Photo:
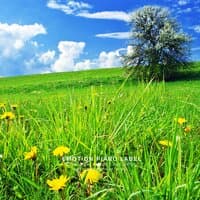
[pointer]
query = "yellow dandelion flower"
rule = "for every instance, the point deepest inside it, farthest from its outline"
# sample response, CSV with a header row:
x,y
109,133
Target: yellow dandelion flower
x,y
90,176
8,116
181,120
14,106
166,143
187,129
31,155
60,151
58,183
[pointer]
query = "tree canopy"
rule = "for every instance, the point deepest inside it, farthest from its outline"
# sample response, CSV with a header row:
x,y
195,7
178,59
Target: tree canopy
x,y
158,47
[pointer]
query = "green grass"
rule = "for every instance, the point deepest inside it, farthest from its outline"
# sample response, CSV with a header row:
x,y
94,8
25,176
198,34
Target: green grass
x,y
98,114
29,86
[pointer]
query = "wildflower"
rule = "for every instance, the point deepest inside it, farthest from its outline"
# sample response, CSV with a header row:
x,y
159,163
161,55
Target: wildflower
x,y
187,129
31,155
57,184
166,143
181,120
14,106
8,115
60,151
91,176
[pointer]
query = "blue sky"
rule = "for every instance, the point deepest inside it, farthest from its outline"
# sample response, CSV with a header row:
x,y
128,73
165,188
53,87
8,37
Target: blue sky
x,y
42,36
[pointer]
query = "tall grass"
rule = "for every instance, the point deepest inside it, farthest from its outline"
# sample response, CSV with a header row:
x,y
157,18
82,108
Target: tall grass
x,y
116,129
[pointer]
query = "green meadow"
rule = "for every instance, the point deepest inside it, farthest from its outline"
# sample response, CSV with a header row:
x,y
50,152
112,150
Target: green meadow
x,y
142,138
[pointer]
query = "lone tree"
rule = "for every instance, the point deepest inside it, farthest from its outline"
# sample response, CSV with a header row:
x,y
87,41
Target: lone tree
x,y
158,48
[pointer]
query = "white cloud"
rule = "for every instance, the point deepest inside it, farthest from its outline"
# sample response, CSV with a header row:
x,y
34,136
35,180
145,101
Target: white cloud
x,y
183,2
197,28
109,59
69,52
105,60
14,36
71,7
112,15
84,65
81,9
18,44
116,35
47,57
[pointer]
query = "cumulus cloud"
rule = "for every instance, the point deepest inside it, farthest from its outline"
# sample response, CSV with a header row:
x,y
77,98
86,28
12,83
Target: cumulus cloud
x,y
84,65
81,9
104,60
14,36
69,55
47,57
67,58
116,35
69,52
109,59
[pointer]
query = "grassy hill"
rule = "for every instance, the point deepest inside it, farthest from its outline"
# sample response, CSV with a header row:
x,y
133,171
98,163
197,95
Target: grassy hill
x,y
49,83
57,83
117,139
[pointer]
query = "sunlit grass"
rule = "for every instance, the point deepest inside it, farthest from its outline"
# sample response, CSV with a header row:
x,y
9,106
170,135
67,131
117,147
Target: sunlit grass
x,y
139,141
